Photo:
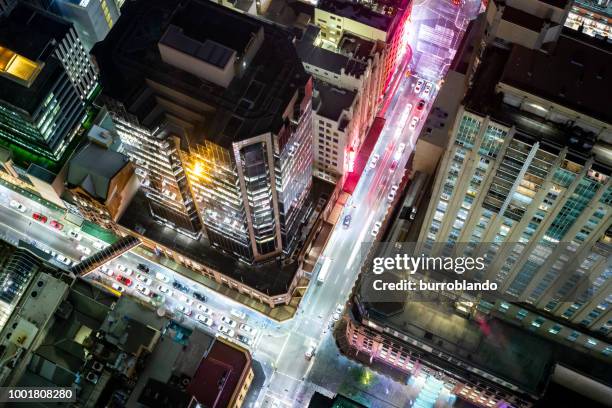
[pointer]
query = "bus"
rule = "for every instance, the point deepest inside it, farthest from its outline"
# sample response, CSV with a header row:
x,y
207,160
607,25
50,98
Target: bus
x,y
414,195
324,270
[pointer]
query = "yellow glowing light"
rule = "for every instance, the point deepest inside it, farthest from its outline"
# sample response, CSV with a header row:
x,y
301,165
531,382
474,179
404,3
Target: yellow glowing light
x,y
198,169
17,66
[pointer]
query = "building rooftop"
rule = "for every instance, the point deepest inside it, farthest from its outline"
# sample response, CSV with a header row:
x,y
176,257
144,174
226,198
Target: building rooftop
x,y
357,12
581,78
493,346
485,100
219,373
254,101
325,59
332,101
93,168
271,278
522,18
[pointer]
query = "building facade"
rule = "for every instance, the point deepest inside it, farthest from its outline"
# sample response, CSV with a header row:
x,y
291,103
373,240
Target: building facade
x,y
46,78
530,176
92,19
384,23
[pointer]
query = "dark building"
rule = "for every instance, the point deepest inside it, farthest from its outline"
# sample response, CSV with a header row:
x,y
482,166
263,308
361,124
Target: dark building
x,y
45,79
213,107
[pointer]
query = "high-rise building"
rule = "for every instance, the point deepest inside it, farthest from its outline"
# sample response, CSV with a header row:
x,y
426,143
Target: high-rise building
x,y
592,17
349,81
219,131
528,172
378,22
92,19
45,79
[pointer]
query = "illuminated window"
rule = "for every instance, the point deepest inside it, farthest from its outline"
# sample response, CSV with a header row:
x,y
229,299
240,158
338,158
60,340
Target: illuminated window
x,y
17,66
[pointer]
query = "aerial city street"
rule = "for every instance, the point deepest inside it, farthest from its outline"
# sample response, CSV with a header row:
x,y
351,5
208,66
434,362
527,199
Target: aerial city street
x,y
193,195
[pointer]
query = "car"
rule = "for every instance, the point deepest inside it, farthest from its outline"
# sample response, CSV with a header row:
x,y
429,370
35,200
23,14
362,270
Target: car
x,y
39,217
126,271
421,104
83,249
392,192
374,160
84,257
376,228
143,267
106,270
428,88
144,290
17,205
63,259
335,316
207,321
346,222
77,237
400,149
57,225
310,352
414,122
339,308
245,339
199,296
118,287
122,279
164,290
46,250
248,329
144,279
178,285
162,277
227,331
393,165
157,297
99,245
204,309
228,321
184,310
419,86
185,299
238,314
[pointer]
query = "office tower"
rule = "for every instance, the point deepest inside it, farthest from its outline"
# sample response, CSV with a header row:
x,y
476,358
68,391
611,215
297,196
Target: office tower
x,y
92,19
219,131
383,23
528,171
45,80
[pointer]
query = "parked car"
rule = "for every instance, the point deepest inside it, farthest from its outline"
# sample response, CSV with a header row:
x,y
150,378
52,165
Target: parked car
x,y
39,217
184,310
144,290
227,331
143,267
207,321
63,259
245,339
58,226
413,123
164,290
126,271
185,299
248,329
421,104
204,309
144,279
106,270
126,281
392,192
228,321
162,277
199,296
118,287
17,205
178,285
428,88
98,245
